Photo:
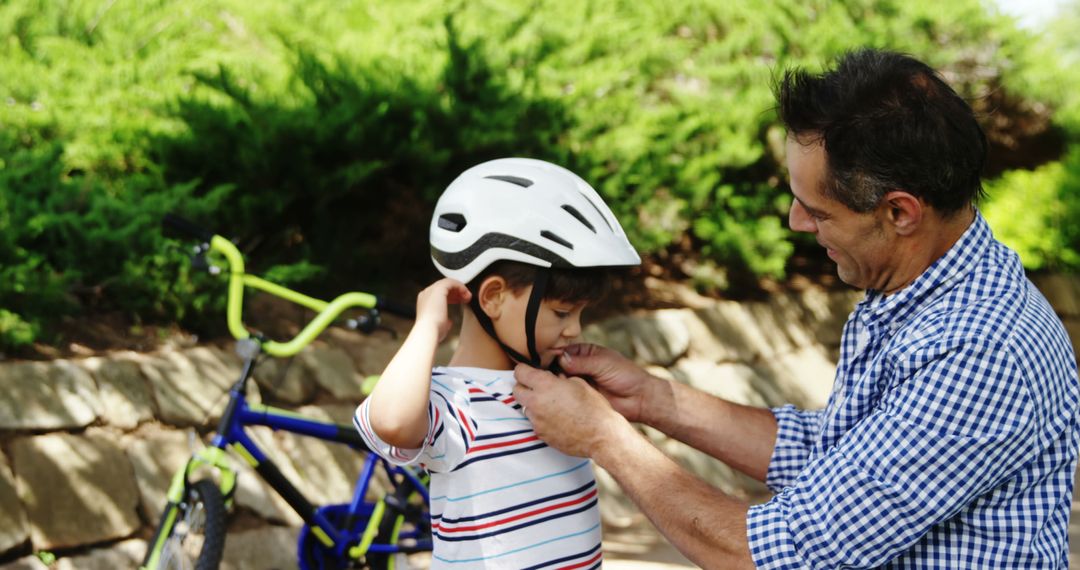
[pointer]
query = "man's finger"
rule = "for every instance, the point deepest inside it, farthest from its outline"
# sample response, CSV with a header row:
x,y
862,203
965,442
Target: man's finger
x,y
530,377
580,348
578,361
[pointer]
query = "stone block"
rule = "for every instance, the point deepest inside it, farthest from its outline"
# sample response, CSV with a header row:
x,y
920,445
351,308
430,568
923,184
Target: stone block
x,y
788,318
326,471
220,367
735,326
185,397
124,554
333,369
804,377
47,396
255,494
284,380
1063,292
611,333
658,338
13,524
370,353
157,457
261,548
76,489
827,311
125,396
735,382
154,459
1072,328
25,563
704,345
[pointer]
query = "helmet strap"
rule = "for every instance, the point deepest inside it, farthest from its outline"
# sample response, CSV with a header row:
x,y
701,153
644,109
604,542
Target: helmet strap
x,y
532,311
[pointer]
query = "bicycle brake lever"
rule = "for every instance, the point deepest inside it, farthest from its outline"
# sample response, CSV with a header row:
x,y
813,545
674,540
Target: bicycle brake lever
x,y
366,323
200,262
369,323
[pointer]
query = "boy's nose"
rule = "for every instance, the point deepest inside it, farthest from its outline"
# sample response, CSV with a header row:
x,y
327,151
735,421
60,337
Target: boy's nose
x,y
573,329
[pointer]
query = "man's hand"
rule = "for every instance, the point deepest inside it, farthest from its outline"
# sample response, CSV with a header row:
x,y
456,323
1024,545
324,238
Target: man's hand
x,y
625,385
565,412
704,524
432,305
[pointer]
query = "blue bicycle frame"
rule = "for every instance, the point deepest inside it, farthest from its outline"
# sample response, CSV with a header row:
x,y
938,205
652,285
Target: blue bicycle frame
x,y
334,536
351,531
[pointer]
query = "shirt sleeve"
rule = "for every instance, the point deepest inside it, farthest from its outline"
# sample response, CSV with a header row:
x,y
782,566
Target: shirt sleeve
x,y
451,431
796,431
959,425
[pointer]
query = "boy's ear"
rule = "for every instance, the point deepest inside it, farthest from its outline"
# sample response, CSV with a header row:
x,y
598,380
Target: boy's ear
x,y
491,294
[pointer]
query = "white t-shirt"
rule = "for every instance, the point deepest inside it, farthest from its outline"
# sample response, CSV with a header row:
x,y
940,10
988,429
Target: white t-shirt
x,y
500,497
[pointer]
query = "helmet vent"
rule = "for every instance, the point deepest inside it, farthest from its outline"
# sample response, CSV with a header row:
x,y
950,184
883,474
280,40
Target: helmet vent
x,y
556,239
519,181
452,222
573,212
598,211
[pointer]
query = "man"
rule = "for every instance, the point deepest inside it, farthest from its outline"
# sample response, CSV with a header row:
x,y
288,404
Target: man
x,y
950,439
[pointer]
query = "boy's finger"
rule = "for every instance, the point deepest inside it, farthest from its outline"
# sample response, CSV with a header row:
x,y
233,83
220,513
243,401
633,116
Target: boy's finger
x,y
459,295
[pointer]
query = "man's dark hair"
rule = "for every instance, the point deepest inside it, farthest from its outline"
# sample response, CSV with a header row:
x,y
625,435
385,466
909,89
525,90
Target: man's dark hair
x,y
573,285
887,122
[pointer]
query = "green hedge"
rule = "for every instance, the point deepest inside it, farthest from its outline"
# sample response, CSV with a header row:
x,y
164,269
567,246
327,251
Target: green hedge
x,y
319,132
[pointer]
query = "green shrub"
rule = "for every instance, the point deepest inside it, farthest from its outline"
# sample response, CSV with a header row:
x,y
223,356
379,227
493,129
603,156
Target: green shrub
x,y
320,132
1045,235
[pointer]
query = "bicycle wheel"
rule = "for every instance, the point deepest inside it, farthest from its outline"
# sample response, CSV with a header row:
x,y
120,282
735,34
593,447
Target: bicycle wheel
x,y
197,538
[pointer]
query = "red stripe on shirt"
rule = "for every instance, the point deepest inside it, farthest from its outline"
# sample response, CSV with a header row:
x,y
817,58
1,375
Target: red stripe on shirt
x,y
465,422
516,517
583,564
503,444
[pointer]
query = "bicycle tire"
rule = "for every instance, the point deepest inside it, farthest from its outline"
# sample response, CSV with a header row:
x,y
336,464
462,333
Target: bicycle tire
x,y
201,516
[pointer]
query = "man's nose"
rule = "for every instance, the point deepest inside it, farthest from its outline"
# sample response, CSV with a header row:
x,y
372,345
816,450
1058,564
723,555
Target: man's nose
x,y
799,220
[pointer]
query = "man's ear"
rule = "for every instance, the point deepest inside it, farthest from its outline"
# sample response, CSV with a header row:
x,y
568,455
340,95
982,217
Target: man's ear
x,y
903,211
492,292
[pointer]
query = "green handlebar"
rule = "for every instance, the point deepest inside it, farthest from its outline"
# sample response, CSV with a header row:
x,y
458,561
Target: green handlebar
x,y
327,312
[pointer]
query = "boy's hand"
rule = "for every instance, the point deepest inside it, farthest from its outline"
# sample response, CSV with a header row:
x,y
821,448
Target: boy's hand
x,y
432,304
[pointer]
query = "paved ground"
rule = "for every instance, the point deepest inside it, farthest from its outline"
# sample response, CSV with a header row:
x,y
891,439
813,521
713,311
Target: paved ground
x,y
643,549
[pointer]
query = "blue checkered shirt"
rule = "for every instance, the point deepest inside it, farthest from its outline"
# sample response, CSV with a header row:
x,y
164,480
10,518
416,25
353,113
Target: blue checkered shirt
x,y
950,439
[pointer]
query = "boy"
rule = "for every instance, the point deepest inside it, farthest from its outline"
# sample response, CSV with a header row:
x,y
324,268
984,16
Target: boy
x,y
530,239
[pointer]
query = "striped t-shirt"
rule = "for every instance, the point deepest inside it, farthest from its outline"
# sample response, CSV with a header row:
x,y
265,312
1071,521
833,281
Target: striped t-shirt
x,y
500,497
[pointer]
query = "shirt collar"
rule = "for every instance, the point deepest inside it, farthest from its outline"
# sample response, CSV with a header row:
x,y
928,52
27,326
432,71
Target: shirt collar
x,y
955,264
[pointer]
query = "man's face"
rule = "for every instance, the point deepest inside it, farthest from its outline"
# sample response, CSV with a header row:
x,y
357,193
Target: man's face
x,y
856,242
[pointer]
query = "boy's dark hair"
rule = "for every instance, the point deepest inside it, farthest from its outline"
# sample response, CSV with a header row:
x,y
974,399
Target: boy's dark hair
x,y
887,122
573,284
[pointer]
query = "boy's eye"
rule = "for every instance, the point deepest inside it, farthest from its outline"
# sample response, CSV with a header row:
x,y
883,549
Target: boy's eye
x,y
562,314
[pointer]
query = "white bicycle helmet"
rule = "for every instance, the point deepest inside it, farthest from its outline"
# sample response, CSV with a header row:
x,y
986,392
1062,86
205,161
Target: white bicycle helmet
x,y
529,211
526,210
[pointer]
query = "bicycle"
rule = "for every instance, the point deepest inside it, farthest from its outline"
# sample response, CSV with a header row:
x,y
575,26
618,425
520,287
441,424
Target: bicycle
x,y
358,534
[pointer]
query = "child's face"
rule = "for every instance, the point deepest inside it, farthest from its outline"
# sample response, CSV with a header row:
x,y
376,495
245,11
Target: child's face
x,y
558,324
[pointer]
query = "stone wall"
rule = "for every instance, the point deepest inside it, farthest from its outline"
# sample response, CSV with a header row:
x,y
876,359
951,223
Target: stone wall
x,y
87,446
